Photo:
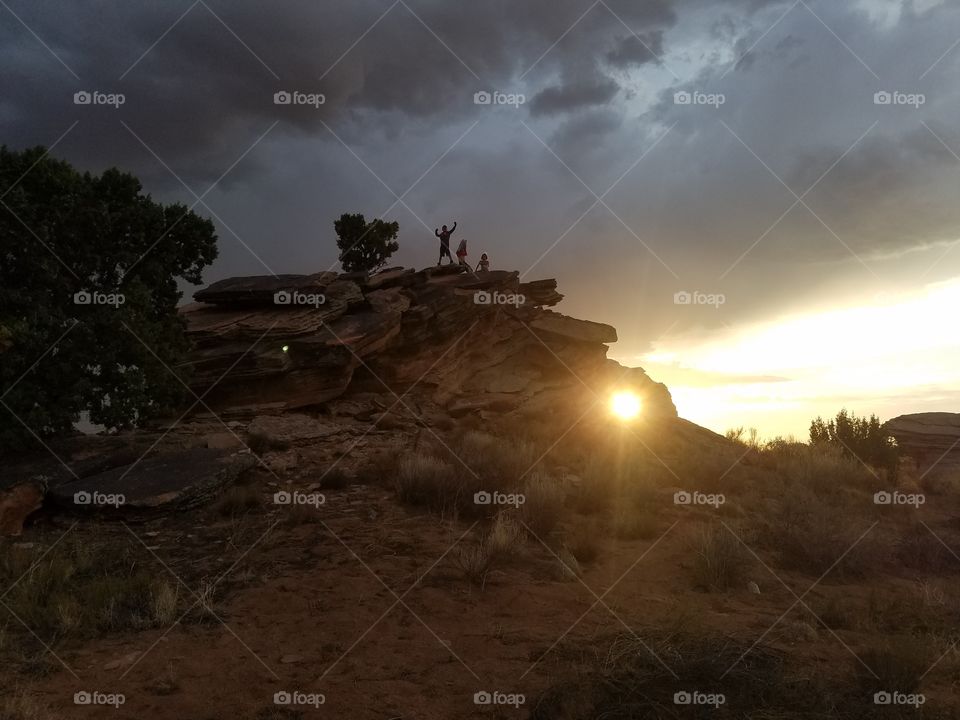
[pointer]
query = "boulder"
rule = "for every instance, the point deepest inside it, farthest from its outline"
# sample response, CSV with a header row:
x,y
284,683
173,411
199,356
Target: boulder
x,y
931,439
17,503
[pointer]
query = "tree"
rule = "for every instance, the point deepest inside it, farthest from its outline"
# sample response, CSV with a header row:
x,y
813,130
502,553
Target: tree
x,y
365,246
88,296
863,438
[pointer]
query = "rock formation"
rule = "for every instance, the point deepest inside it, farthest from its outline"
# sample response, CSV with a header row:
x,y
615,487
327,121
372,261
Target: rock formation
x,y
931,439
467,342
317,367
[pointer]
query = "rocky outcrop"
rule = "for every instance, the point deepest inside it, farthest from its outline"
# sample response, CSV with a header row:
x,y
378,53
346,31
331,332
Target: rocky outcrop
x,y
931,439
467,342
162,483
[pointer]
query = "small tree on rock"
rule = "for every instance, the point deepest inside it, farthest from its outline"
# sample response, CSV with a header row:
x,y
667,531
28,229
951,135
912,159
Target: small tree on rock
x,y
365,246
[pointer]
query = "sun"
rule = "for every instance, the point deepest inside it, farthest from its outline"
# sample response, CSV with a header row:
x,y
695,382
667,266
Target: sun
x,y
625,405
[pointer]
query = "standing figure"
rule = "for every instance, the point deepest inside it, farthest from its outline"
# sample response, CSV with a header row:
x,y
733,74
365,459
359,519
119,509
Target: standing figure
x,y
484,264
462,254
444,236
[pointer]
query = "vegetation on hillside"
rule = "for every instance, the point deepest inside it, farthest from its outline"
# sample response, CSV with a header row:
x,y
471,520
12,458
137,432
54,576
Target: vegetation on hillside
x,y
89,267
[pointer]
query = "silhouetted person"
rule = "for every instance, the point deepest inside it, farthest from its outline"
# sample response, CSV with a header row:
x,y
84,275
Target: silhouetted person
x,y
462,254
484,264
444,236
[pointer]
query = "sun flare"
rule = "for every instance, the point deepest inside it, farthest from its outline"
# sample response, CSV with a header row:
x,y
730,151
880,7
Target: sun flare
x,y
625,405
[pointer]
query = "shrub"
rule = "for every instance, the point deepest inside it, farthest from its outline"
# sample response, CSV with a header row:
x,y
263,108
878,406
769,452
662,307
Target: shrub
x,y
584,542
596,492
813,532
637,524
917,548
425,480
823,468
898,665
478,559
80,588
862,438
720,559
543,504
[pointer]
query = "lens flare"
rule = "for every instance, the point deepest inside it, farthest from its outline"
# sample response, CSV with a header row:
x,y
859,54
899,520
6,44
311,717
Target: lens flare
x,y
625,405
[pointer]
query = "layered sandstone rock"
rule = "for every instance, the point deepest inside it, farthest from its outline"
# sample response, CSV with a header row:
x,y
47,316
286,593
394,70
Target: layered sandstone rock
x,y
931,439
472,342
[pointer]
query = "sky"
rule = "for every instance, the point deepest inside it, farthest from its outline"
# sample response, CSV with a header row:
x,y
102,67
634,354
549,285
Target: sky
x,y
760,195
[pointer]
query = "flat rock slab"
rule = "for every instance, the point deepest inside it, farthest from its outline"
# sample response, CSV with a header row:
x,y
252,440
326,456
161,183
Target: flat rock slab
x,y
568,327
259,290
290,429
159,484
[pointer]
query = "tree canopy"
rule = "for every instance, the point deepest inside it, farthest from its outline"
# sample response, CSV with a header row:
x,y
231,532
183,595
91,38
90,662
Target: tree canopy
x,y
365,246
859,437
89,270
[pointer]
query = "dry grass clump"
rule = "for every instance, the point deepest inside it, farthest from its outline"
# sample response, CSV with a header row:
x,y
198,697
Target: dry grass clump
x,y
897,665
477,560
720,560
543,504
816,532
83,589
21,706
477,463
636,523
585,542
425,480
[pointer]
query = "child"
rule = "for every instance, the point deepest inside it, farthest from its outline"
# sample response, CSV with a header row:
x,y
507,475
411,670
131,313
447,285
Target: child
x,y
462,254
484,264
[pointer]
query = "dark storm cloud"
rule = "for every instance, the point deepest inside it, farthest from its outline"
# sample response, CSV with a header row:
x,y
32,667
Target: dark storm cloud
x,y
634,50
200,77
565,98
399,86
